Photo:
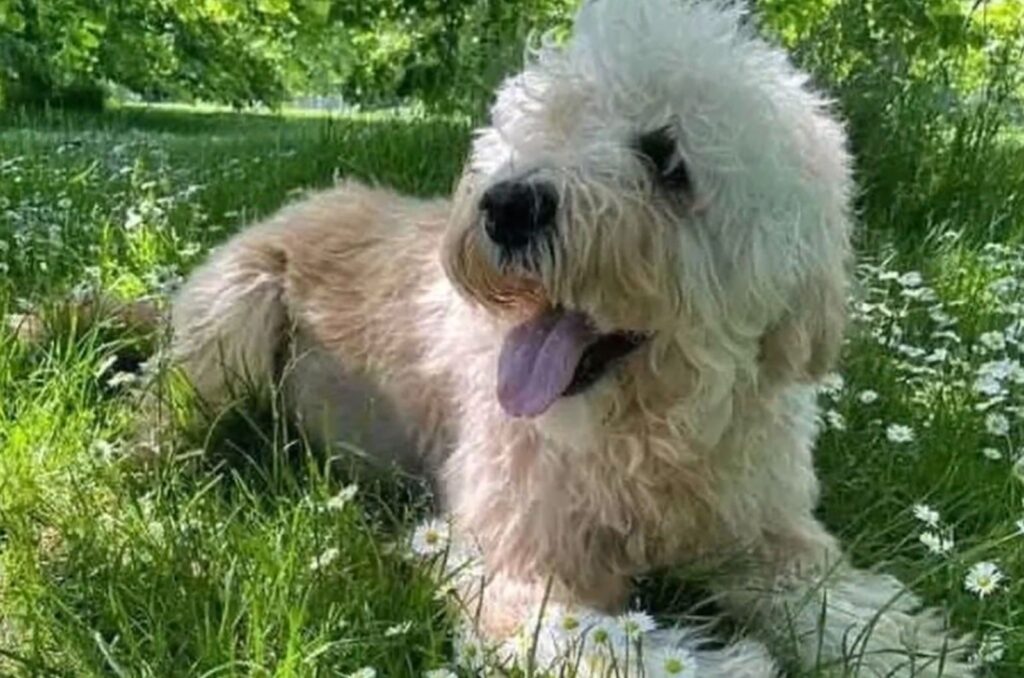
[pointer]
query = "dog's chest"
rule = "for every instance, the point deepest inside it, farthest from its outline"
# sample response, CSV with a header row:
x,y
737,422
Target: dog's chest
x,y
641,502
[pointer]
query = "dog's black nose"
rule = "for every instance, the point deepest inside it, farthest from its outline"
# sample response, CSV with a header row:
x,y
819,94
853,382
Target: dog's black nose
x,y
516,211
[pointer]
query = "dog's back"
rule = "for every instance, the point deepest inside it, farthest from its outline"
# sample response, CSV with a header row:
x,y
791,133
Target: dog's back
x,y
334,274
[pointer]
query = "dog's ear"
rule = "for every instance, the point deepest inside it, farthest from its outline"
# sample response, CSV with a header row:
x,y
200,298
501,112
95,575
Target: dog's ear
x,y
804,344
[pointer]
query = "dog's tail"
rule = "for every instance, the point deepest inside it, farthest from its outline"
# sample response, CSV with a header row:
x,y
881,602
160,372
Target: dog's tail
x,y
229,320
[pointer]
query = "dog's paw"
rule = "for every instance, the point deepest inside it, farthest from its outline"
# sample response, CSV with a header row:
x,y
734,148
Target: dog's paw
x,y
905,644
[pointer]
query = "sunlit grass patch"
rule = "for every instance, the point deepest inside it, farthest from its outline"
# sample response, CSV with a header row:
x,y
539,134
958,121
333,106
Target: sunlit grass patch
x,y
248,553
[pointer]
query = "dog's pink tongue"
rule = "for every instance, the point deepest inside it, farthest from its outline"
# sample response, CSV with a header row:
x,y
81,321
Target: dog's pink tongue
x,y
538,360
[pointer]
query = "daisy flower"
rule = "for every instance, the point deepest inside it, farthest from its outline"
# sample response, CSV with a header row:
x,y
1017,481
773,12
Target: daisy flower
x,y
926,514
470,652
993,341
605,637
430,538
867,396
991,453
102,449
835,420
983,578
936,543
679,663
911,279
338,501
636,624
899,433
997,424
324,559
571,624
365,672
832,383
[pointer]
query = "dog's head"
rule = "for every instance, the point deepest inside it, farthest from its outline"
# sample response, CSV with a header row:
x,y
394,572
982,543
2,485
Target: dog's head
x,y
663,184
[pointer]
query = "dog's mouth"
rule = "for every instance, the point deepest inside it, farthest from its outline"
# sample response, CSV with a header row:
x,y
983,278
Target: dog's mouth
x,y
554,354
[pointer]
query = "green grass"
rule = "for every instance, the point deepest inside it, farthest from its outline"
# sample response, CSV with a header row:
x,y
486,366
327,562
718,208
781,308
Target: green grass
x,y
202,564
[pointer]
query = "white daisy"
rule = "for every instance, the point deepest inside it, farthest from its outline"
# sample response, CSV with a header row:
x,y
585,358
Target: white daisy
x,y
867,396
993,341
926,514
832,384
989,385
936,543
636,624
324,559
983,578
430,538
570,624
899,433
338,501
470,652
835,420
991,453
911,279
678,663
997,424
102,449
365,672
605,638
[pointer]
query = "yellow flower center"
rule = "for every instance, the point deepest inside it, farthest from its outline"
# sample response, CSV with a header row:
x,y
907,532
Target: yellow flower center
x,y
674,666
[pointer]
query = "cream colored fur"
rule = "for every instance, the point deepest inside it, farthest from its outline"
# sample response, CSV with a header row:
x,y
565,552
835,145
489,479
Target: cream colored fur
x,y
697,449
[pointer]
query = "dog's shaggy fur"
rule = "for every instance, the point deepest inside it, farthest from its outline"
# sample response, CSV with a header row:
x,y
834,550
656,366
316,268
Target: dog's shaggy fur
x,y
701,216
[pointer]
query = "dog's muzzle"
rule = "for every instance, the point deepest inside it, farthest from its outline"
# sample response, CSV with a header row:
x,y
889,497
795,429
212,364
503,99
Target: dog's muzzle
x,y
518,212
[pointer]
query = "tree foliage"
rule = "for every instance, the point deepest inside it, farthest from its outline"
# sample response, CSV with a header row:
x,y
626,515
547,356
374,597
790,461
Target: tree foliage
x,y
927,87
234,51
450,53
263,51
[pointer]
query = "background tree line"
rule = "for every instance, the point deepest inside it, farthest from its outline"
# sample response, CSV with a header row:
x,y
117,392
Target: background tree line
x,y
446,53
929,87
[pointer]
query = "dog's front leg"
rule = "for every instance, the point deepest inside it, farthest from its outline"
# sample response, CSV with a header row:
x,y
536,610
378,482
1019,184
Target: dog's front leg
x,y
800,592
541,626
498,602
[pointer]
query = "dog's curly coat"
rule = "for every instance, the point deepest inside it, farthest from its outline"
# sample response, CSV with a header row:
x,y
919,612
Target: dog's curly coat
x,y
606,346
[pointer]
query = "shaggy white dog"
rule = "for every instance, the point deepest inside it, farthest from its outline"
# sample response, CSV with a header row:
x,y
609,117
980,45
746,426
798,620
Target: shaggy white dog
x,y
606,346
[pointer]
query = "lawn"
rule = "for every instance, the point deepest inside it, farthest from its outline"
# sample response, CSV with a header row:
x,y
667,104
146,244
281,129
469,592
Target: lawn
x,y
247,554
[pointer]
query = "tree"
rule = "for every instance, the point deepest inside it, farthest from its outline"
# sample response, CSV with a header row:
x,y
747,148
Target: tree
x,y
235,51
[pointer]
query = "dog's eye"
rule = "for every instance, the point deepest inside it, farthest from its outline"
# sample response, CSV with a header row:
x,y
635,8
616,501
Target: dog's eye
x,y
660,150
